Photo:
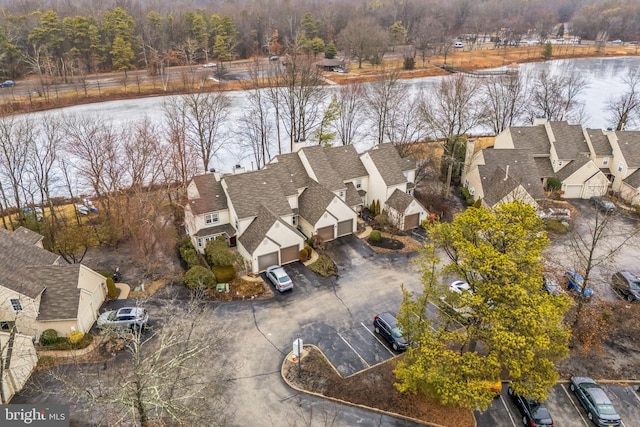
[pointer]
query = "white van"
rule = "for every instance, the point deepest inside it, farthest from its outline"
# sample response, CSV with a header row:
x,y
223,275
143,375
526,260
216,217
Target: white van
x,y
458,45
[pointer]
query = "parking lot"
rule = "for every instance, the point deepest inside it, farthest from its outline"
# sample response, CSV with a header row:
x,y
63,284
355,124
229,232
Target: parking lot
x,y
565,408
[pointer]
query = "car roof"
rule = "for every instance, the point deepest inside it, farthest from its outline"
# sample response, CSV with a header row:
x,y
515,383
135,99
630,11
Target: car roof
x,y
136,311
389,318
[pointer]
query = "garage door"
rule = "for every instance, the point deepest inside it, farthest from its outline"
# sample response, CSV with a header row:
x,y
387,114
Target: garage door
x,y
289,254
411,221
573,191
326,233
345,227
265,261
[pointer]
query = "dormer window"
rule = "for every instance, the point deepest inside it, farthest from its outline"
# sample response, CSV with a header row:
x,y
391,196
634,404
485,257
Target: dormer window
x,y
211,218
294,220
16,304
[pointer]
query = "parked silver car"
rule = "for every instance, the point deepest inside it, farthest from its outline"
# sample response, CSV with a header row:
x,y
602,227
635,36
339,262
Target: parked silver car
x,y
124,318
280,279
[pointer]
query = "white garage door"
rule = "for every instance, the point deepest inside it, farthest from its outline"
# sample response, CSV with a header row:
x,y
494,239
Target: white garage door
x,y
572,191
266,260
326,233
345,227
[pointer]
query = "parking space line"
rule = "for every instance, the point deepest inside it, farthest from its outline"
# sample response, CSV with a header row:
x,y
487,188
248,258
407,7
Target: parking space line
x,y
353,349
508,411
635,395
377,339
574,405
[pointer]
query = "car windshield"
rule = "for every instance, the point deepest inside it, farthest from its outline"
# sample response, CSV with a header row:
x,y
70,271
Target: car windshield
x,y
396,332
606,409
112,316
284,279
541,413
634,286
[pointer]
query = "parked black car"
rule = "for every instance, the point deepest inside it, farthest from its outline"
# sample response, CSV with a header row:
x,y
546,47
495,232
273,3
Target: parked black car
x,y
534,414
628,284
386,325
593,398
602,204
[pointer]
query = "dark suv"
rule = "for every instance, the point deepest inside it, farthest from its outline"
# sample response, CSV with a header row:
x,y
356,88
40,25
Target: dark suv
x,y
386,325
602,204
628,284
534,413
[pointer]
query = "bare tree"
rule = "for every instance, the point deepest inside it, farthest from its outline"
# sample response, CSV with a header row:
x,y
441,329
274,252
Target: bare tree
x,y
301,96
364,39
183,158
159,378
624,110
16,140
450,110
506,98
556,96
382,98
204,114
349,120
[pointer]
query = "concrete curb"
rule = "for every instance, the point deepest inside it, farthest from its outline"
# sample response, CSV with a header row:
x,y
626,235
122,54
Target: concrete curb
x,y
124,290
60,354
313,258
345,402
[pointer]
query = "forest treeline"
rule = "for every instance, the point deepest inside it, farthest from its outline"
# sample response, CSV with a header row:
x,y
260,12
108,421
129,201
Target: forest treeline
x,y
62,39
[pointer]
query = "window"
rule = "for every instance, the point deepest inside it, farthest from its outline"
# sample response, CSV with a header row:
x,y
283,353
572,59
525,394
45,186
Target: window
x,y
211,218
409,192
472,191
358,183
6,326
294,220
620,166
237,228
466,183
342,195
199,242
559,163
16,305
605,161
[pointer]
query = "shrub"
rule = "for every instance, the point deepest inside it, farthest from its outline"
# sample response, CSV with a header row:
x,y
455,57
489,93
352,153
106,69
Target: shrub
x,y
304,254
467,196
190,256
112,291
375,237
219,254
48,337
224,274
75,337
553,184
324,266
556,226
309,249
199,277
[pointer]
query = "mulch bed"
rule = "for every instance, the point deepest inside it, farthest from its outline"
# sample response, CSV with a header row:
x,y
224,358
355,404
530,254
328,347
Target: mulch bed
x,y
373,388
240,289
388,243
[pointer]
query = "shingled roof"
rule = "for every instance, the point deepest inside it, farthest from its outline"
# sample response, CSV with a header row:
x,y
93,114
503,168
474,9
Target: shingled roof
x,y
314,201
600,142
212,197
61,297
569,140
257,230
633,180
27,236
269,186
390,164
18,259
293,165
346,162
399,200
353,197
572,167
534,138
513,166
322,168
629,143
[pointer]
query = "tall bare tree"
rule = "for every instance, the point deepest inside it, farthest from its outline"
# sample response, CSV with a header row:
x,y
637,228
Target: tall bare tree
x,y
382,99
557,96
16,140
624,110
158,379
506,99
364,39
349,120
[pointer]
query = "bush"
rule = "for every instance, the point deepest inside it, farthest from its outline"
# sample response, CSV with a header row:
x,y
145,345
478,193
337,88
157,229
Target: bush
x,y
309,249
48,337
556,226
199,277
190,256
409,63
304,254
467,196
224,274
219,254
112,291
553,184
324,266
375,237
75,337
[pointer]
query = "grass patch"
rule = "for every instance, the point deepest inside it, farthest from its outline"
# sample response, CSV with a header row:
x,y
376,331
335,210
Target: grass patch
x,y
555,226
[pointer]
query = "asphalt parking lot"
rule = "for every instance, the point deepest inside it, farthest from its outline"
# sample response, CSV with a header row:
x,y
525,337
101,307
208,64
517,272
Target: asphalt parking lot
x,y
565,408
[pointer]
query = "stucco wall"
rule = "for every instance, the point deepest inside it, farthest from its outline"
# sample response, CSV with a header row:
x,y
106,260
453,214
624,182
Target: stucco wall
x,y
25,320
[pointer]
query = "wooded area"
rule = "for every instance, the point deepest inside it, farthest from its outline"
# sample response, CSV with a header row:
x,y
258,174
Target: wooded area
x,y
60,41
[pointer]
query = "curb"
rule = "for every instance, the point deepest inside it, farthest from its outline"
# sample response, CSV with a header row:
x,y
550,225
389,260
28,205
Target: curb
x,y
345,402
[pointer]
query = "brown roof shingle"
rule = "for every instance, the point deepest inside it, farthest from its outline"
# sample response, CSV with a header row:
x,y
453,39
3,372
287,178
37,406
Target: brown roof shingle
x,y
569,140
61,297
534,138
257,230
629,142
269,186
313,202
318,159
389,163
600,142
399,200
212,197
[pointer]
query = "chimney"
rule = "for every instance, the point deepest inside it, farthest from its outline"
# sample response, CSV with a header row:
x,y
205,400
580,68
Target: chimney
x,y
506,175
237,169
540,119
298,145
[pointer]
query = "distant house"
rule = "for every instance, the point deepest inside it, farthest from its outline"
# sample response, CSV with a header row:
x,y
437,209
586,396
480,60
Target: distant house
x,y
524,158
330,64
314,191
39,292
